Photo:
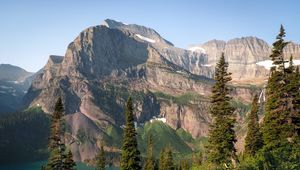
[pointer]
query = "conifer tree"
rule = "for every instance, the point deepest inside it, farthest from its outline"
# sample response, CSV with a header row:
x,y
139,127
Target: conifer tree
x,y
166,160
150,162
100,159
281,144
293,98
184,165
275,126
130,159
56,146
69,163
221,138
169,165
162,159
253,140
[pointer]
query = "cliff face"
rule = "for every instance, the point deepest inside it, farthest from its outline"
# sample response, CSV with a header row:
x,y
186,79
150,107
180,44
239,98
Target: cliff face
x,y
107,63
243,55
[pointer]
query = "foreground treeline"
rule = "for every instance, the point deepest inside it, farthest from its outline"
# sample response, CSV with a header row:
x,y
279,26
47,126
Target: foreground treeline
x,y
271,143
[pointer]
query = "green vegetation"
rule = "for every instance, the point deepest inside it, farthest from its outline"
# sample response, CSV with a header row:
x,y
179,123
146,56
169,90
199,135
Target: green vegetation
x,y
281,121
253,140
163,136
221,150
58,159
183,99
114,136
24,136
280,128
184,135
240,107
150,160
166,159
130,159
100,159
69,163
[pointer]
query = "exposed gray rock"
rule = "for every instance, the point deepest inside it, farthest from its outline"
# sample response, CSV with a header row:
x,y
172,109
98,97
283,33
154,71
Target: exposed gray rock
x,y
242,55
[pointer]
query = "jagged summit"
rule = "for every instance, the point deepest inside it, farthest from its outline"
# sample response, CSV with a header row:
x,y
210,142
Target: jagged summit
x,y
56,59
142,32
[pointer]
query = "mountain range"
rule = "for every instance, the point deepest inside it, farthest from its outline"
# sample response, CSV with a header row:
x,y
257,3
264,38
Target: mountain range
x,y
170,86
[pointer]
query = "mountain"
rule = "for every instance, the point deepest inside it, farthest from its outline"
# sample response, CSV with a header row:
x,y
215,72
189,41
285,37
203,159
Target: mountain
x,y
14,82
107,63
248,57
13,73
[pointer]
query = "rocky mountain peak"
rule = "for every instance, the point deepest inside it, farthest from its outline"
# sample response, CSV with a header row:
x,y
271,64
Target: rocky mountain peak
x,y
141,32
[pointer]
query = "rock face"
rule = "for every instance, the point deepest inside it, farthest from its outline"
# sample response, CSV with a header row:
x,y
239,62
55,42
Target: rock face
x,y
107,63
243,54
14,82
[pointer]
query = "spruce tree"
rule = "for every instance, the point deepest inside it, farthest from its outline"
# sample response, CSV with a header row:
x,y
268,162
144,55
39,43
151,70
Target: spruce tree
x,y
100,159
56,146
293,98
169,165
162,159
221,138
275,126
281,142
130,159
253,140
69,163
166,160
150,162
184,165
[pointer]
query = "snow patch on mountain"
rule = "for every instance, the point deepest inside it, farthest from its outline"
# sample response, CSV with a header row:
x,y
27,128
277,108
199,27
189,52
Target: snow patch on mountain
x,y
145,38
269,63
162,119
197,49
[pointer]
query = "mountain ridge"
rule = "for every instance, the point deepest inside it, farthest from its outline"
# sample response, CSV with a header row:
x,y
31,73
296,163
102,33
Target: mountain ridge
x,y
107,63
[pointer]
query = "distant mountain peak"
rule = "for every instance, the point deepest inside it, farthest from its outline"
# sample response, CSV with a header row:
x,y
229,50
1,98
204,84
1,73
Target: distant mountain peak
x,y
13,73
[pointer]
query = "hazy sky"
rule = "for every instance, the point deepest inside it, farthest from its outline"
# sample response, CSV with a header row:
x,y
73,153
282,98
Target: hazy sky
x,y
32,30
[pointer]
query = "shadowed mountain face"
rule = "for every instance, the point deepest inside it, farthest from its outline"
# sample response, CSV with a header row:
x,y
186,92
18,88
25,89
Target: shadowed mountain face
x,y
14,83
107,63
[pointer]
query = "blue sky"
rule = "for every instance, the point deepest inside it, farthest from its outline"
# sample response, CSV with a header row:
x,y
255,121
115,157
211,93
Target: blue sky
x,y
32,30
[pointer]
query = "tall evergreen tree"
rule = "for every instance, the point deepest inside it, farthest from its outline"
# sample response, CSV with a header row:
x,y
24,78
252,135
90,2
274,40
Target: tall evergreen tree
x,y
166,160
56,146
253,140
130,154
150,162
184,165
293,98
275,127
162,159
281,149
169,165
221,138
100,159
69,163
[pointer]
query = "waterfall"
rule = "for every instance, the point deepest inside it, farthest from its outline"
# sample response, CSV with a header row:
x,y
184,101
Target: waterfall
x,y
262,96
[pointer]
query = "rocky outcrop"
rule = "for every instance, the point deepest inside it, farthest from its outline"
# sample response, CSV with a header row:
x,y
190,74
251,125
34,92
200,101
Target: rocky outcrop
x,y
243,54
